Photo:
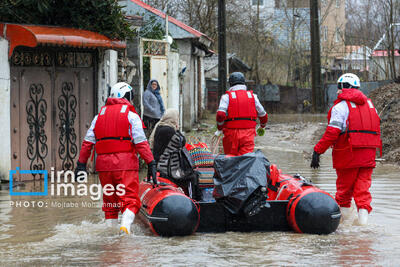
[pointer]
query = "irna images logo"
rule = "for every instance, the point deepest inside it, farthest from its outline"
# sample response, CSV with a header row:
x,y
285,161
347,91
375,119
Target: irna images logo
x,y
64,183
17,170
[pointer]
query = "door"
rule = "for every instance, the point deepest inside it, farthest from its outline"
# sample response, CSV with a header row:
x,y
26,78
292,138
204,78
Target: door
x,y
158,71
74,106
31,117
52,105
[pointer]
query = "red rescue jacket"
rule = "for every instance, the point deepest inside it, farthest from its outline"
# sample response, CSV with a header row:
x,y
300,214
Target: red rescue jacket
x,y
109,159
242,111
112,129
356,147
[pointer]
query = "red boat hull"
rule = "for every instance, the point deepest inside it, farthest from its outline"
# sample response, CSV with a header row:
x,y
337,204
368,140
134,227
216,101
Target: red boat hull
x,y
167,210
292,203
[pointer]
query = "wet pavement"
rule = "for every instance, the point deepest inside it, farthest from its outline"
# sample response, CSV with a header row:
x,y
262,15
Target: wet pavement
x,y
60,234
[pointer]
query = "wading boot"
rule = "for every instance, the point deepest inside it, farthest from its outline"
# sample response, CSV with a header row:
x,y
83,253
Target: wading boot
x,y
126,221
346,213
362,217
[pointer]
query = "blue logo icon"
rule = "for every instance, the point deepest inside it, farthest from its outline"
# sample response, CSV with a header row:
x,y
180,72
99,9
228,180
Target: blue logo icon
x,y
45,175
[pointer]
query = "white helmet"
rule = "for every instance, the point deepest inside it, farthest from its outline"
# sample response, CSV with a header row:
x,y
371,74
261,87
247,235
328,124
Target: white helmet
x,y
120,90
348,80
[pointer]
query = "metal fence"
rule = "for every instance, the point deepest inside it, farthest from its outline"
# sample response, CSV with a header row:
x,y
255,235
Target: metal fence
x,y
366,88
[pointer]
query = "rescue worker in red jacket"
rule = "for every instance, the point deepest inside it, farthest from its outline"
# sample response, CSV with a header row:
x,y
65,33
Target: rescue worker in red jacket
x,y
118,134
236,117
354,133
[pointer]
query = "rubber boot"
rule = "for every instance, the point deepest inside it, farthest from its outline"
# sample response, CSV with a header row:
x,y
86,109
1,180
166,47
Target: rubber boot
x,y
362,217
126,221
346,212
112,223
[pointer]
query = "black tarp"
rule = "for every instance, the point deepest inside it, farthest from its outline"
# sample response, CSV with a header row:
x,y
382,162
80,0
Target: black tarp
x,y
236,178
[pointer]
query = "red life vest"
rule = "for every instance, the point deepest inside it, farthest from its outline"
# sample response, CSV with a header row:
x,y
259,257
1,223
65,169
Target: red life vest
x,y
112,129
357,145
242,111
364,125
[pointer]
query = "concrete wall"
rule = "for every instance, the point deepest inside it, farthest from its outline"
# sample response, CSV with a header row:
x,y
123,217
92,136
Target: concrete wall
x,y
173,80
107,74
5,133
185,55
203,84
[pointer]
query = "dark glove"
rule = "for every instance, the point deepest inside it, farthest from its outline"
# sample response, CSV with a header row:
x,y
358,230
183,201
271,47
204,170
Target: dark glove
x,y
152,171
315,160
79,168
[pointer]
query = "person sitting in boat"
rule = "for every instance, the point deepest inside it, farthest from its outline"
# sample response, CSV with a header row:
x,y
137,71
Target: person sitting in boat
x,y
170,154
118,134
236,117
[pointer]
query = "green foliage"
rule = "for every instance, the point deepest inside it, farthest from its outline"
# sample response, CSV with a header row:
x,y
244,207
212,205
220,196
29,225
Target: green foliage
x,y
146,71
102,16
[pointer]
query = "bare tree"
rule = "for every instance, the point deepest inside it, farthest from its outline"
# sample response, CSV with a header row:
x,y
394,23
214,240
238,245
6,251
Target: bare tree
x,y
375,25
201,15
168,6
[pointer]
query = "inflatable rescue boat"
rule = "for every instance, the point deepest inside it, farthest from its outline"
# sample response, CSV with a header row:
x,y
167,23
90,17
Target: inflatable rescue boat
x,y
243,193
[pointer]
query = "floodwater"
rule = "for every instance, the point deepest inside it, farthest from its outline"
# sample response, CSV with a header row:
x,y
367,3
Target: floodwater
x,y
59,234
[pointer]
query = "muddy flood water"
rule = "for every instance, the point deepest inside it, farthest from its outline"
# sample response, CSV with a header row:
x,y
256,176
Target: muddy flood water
x,y
60,234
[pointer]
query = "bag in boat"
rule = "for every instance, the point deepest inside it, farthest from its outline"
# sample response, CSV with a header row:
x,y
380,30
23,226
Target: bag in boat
x,y
175,162
237,178
200,153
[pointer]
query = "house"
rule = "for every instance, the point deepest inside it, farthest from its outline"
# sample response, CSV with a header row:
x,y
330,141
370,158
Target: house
x,y
356,59
234,63
380,61
289,23
193,46
379,64
53,80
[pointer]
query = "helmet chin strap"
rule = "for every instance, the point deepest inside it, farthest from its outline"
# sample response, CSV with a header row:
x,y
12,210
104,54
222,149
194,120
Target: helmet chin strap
x,y
128,96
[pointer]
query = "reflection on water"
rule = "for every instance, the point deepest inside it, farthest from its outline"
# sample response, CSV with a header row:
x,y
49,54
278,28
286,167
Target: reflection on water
x,y
52,235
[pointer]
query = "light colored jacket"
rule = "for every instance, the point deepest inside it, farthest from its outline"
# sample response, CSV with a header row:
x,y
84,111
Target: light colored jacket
x,y
151,106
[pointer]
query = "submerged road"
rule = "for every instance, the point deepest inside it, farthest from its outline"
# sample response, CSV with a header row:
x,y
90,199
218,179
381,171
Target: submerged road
x,y
63,234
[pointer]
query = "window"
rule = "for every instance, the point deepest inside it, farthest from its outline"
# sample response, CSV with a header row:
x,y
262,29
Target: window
x,y
324,33
337,3
337,36
256,2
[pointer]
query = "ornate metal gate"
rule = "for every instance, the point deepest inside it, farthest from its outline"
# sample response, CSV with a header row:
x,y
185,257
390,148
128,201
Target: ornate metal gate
x,y
52,105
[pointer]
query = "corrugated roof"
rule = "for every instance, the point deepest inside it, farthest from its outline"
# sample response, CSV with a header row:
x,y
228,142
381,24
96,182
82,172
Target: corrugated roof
x,y
178,23
384,53
34,35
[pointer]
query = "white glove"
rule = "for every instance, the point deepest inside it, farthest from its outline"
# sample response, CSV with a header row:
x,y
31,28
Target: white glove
x,y
218,133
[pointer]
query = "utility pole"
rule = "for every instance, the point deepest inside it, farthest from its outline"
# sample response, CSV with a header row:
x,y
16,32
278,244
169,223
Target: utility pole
x,y
221,48
258,44
318,96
